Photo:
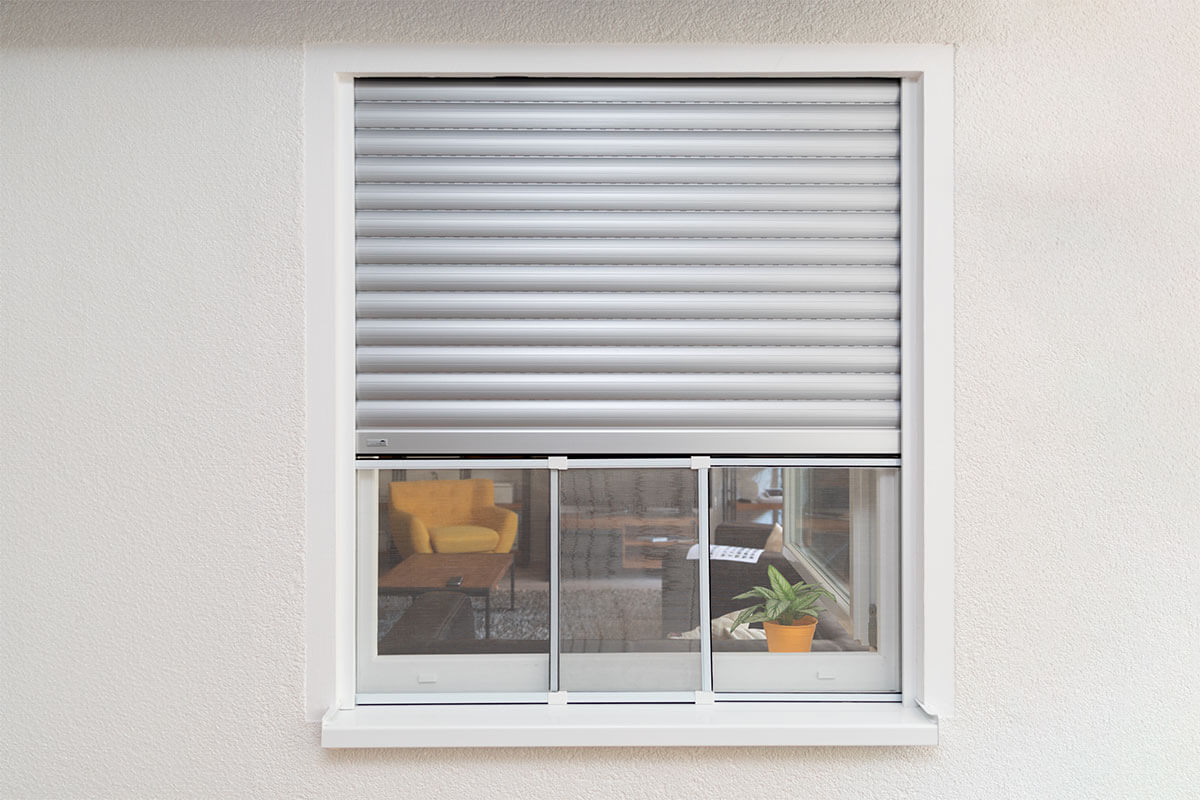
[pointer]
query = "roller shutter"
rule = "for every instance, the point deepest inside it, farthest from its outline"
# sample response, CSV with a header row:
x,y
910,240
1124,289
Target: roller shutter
x,y
587,266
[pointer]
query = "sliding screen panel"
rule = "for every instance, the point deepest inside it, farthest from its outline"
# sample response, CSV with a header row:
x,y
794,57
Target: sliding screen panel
x,y
624,574
454,581
832,528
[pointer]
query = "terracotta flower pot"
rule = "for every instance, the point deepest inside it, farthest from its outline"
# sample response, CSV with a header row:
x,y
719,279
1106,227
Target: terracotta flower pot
x,y
795,638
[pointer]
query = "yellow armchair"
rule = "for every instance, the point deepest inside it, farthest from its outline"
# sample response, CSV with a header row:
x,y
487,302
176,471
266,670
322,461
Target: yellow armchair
x,y
449,517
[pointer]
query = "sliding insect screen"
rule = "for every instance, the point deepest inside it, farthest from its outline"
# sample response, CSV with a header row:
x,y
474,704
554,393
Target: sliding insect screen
x,y
624,537
453,581
642,267
828,534
630,579
506,581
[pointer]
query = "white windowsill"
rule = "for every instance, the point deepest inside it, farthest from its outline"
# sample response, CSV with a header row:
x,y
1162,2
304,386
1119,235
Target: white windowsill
x,y
749,724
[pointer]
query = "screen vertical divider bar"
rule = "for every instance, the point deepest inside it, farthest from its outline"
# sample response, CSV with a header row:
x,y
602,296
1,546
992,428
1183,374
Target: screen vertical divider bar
x,y
702,523
554,577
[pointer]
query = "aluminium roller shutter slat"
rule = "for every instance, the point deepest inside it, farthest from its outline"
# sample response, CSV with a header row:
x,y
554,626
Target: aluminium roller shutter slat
x,y
671,224
486,169
615,358
625,305
637,386
574,278
733,252
604,332
583,256
788,144
599,414
648,197
615,116
626,91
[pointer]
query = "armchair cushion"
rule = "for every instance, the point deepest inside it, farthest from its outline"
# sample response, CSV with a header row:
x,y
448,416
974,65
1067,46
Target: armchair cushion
x,y
463,539
502,521
455,516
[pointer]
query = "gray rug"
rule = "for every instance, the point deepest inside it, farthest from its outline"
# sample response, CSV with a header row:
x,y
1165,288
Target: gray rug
x,y
626,614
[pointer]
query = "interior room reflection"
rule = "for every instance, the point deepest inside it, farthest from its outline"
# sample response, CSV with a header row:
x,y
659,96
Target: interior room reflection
x,y
464,561
464,558
802,522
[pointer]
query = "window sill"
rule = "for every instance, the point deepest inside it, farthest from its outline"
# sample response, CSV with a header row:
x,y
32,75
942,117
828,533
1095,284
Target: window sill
x,y
684,725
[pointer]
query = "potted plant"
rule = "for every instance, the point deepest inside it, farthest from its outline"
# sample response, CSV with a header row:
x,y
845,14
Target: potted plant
x,y
787,611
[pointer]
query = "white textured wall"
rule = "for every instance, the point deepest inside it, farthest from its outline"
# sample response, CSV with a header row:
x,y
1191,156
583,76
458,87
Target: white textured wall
x,y
152,386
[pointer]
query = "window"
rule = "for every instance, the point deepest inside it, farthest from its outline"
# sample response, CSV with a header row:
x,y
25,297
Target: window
x,y
621,344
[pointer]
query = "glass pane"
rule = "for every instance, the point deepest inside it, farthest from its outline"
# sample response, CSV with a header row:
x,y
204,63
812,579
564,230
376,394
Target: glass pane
x,y
463,570
832,535
626,584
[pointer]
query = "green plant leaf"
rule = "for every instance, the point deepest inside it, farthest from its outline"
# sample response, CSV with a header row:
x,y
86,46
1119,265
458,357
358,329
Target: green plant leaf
x,y
801,586
775,609
757,591
781,602
779,583
747,615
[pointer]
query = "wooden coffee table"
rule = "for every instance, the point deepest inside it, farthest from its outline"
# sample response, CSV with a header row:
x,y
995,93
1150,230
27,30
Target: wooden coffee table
x,y
428,572
647,550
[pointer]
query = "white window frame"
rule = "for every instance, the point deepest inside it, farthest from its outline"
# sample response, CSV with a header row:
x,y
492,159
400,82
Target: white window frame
x,y
927,551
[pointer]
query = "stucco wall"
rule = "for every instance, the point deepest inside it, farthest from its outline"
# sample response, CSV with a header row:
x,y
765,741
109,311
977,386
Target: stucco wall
x,y
153,401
